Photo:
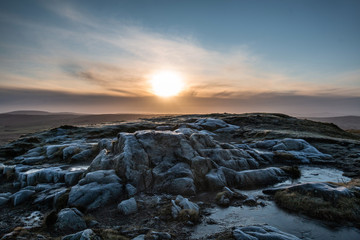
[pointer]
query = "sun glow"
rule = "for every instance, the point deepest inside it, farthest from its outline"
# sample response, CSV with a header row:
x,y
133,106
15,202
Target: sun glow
x,y
167,83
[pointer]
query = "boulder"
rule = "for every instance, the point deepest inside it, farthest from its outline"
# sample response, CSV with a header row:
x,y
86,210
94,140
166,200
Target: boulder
x,y
93,195
101,177
261,233
212,124
290,150
69,220
183,209
185,203
128,207
96,189
221,177
22,196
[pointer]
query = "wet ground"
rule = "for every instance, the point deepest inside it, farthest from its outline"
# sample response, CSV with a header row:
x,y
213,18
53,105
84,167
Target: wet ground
x,y
296,224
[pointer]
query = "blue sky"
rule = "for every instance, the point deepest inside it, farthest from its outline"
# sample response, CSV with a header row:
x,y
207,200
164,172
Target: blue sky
x,y
224,50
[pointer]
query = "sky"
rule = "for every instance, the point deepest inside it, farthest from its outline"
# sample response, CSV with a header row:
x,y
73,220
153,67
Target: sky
x,y
299,57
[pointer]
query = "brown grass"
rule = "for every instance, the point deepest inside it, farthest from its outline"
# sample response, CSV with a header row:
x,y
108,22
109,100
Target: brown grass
x,y
345,209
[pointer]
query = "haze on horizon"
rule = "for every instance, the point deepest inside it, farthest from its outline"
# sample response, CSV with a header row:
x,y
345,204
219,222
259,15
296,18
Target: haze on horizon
x,y
296,57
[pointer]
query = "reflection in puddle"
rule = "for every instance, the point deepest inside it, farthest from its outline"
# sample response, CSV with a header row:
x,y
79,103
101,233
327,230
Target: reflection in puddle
x,y
298,225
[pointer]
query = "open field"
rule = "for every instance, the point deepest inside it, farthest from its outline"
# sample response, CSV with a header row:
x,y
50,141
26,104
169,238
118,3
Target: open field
x,y
13,125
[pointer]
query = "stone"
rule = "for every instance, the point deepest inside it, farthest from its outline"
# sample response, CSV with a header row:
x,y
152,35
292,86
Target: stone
x,y
128,206
130,190
212,124
93,195
290,150
101,177
55,151
69,151
86,234
160,235
70,219
261,233
72,178
105,144
185,203
83,156
251,202
222,177
21,196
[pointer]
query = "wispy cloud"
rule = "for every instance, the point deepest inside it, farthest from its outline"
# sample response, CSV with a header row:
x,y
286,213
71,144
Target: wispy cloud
x,y
88,55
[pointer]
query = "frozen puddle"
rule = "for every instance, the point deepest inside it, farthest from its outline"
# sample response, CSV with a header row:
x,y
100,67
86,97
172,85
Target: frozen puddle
x,y
298,225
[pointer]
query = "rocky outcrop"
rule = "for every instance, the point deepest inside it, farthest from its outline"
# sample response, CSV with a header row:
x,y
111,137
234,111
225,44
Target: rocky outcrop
x,y
158,159
177,163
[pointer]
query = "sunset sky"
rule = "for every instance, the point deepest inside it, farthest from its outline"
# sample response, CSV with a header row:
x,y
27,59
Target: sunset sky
x,y
296,57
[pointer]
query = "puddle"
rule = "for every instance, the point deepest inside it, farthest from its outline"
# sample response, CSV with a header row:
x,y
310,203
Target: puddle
x,y
298,225
317,174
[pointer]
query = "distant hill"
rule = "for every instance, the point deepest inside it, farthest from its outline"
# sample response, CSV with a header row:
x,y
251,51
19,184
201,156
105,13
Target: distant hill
x,y
17,123
344,122
34,112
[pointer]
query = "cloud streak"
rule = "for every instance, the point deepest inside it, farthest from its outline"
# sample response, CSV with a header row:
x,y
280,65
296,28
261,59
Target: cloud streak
x,y
98,61
297,105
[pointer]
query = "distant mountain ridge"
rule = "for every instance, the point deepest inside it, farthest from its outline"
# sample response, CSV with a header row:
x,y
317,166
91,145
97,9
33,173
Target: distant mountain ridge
x,y
35,112
344,122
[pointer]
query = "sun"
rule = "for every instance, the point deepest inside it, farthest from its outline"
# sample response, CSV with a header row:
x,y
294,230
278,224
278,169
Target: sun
x,y
167,83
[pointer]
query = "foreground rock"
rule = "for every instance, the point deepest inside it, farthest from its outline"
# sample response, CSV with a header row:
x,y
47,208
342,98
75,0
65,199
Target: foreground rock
x,y
128,207
157,162
178,163
261,233
69,220
96,189
87,234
